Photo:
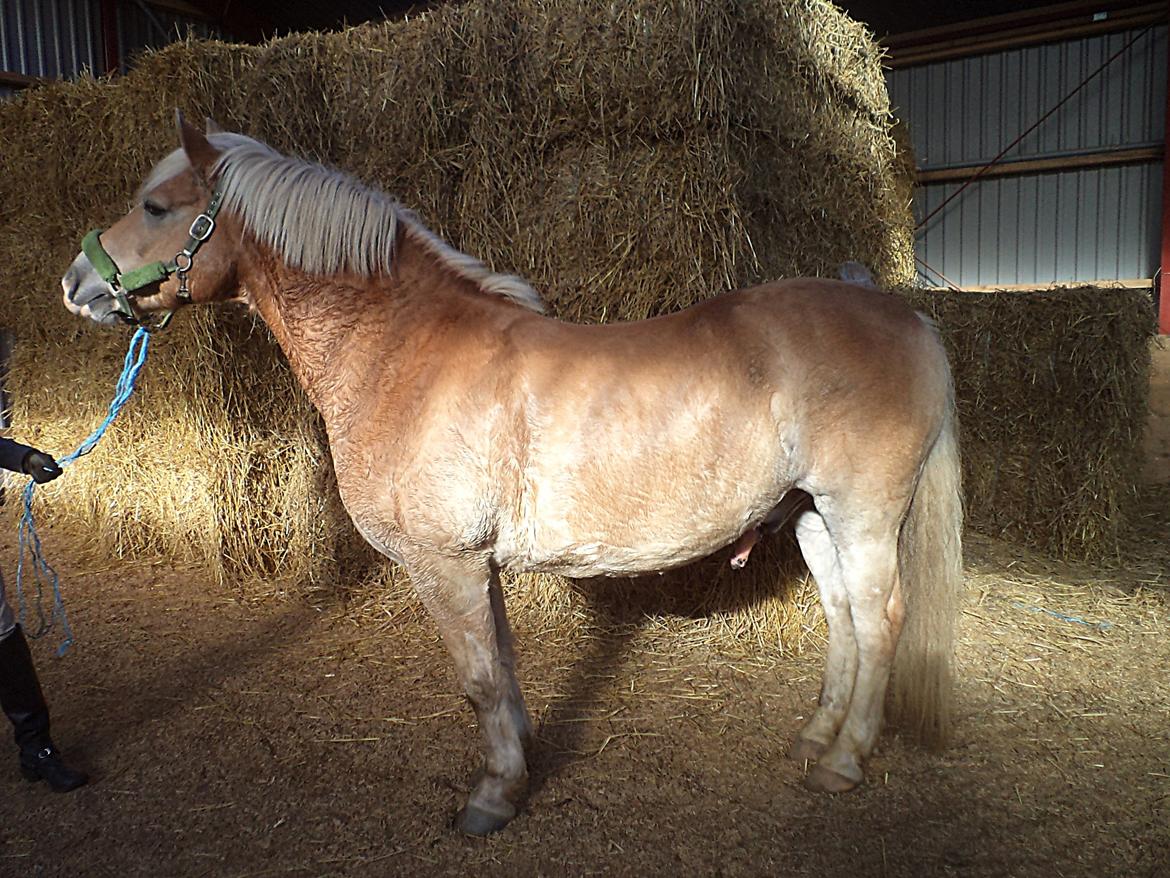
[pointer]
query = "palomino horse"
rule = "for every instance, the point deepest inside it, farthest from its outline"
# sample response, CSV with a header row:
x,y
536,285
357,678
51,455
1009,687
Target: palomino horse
x,y
472,434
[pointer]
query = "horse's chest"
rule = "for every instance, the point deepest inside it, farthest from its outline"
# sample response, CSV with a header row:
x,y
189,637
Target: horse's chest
x,y
417,506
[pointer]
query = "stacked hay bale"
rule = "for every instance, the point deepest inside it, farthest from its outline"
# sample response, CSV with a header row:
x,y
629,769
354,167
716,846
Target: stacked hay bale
x,y
1052,388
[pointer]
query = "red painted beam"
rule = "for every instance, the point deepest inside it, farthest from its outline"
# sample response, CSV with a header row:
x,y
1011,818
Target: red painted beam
x,y
1163,286
109,19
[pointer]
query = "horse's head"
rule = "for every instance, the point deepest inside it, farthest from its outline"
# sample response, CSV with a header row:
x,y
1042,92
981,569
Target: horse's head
x,y
171,249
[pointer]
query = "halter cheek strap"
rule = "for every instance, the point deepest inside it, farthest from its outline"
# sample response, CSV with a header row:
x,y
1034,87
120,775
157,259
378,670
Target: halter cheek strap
x,y
123,285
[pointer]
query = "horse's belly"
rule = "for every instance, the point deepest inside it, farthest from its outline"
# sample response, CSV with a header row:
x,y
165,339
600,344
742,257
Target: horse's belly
x,y
599,559
626,498
598,545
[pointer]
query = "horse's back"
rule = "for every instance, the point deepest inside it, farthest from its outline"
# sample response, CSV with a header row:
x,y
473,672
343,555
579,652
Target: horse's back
x,y
812,319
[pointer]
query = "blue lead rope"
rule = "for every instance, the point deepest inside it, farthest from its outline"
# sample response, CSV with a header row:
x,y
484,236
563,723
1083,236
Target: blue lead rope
x,y
43,573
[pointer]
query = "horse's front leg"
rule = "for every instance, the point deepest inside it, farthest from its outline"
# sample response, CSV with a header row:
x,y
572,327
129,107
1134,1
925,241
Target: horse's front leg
x,y
464,597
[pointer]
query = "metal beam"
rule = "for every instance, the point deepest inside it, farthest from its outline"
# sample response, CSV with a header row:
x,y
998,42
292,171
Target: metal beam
x,y
1017,30
20,80
185,8
1096,159
1131,283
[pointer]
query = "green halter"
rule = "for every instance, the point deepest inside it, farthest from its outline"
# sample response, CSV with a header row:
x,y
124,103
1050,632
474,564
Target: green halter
x,y
124,285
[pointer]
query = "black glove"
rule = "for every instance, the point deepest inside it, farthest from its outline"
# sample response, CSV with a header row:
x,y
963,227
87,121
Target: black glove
x,y
40,466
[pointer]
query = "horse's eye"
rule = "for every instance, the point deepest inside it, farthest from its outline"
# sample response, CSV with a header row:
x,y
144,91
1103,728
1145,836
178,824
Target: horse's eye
x,y
153,208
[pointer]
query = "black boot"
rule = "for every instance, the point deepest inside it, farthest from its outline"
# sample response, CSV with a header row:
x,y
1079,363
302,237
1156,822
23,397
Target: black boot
x,y
24,704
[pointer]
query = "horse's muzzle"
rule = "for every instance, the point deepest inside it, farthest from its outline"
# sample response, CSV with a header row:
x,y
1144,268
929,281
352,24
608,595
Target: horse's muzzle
x,y
86,295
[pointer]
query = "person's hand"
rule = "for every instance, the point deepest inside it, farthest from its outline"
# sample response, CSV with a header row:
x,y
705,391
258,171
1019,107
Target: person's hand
x,y
41,467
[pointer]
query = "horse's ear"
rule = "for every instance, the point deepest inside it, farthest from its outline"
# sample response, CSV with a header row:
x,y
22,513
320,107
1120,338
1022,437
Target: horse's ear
x,y
200,152
212,127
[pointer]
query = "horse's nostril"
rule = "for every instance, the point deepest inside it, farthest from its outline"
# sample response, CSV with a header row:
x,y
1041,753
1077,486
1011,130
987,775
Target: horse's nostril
x,y
70,282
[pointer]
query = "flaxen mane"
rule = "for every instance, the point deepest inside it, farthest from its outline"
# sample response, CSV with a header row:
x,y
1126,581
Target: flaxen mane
x,y
323,221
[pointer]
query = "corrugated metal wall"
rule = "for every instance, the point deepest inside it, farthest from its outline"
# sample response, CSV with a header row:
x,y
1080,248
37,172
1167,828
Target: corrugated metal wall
x,y
59,38
49,38
1083,224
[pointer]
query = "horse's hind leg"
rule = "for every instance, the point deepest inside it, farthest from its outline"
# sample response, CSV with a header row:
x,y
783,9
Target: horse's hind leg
x,y
515,699
820,554
464,599
869,568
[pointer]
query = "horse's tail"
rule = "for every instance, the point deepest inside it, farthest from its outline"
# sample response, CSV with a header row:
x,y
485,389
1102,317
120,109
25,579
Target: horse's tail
x,y
856,273
930,563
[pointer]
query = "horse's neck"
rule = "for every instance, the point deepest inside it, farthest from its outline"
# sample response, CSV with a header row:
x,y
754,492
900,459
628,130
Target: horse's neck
x,y
344,333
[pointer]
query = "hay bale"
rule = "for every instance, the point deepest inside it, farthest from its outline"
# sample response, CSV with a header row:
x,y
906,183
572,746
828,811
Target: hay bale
x,y
1052,390
628,158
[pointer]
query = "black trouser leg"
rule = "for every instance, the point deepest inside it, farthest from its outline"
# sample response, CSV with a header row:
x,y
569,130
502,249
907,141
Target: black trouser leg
x,y
24,704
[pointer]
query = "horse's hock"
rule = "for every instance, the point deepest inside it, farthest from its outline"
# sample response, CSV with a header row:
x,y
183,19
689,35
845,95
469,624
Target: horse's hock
x,y
628,158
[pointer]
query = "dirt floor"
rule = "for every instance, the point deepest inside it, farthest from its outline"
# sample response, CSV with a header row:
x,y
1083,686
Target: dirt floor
x,y
281,738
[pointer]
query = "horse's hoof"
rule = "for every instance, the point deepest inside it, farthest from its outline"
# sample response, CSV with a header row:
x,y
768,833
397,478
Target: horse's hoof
x,y
806,750
825,780
473,820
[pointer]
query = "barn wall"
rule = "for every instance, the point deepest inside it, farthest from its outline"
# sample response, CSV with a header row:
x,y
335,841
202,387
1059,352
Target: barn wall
x,y
58,39
1096,223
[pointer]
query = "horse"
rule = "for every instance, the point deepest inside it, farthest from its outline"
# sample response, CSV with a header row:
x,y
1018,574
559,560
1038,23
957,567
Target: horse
x,y
473,434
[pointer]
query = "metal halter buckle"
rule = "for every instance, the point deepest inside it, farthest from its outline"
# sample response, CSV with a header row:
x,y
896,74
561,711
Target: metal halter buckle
x,y
202,227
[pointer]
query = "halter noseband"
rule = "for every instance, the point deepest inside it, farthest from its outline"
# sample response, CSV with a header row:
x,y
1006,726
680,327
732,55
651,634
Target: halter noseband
x,y
125,285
